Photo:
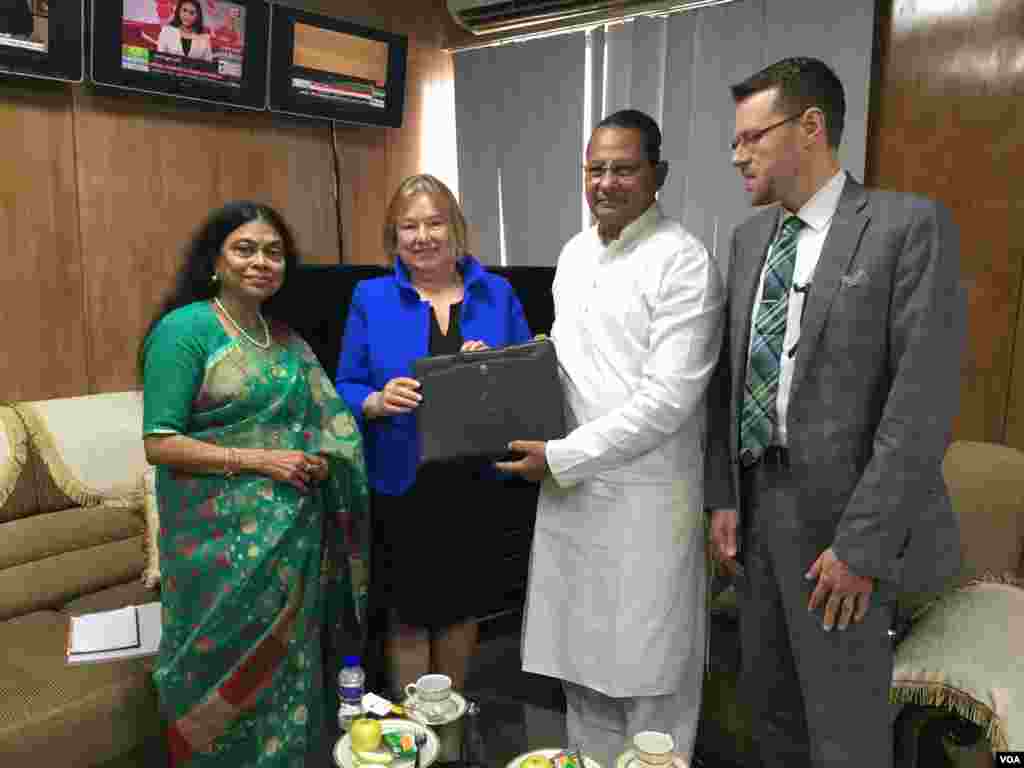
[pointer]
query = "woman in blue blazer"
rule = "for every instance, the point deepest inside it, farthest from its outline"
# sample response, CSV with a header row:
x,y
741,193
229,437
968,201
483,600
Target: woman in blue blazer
x,y
438,301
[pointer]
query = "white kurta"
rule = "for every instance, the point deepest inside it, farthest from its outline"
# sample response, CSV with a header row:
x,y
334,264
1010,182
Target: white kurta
x,y
618,571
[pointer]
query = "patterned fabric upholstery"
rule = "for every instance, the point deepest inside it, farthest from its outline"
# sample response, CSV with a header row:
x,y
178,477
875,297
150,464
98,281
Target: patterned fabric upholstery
x,y
52,714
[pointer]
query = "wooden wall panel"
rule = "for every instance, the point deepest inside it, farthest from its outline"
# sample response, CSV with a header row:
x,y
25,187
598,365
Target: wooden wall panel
x,y
1015,412
43,351
369,183
945,114
149,172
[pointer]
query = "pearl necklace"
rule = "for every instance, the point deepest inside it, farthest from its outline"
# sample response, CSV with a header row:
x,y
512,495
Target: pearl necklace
x,y
241,330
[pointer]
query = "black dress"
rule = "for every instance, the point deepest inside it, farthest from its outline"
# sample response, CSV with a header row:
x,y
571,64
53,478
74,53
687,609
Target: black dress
x,y
427,541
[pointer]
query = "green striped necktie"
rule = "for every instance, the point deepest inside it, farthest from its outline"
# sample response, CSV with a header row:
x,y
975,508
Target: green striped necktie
x,y
761,390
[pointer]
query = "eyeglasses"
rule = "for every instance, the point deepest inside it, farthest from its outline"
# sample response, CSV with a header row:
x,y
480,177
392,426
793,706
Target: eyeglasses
x,y
754,136
619,171
247,249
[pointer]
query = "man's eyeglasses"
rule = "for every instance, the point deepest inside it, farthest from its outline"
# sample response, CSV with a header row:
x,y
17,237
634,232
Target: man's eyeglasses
x,y
619,171
247,249
754,136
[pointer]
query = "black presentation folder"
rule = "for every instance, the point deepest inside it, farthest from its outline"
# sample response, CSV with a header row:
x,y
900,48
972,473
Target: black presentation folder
x,y
475,403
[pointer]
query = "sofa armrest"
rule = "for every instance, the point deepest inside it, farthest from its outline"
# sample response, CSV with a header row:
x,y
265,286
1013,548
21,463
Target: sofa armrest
x,y
962,655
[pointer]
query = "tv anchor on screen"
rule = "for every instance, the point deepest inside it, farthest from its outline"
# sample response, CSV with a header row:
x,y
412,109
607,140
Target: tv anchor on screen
x,y
194,39
185,34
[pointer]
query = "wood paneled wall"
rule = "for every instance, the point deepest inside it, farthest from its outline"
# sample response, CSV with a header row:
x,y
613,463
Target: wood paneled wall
x,y
947,103
99,192
43,339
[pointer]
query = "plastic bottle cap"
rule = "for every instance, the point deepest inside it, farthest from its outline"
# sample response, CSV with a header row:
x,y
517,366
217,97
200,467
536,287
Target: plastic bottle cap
x,y
351,661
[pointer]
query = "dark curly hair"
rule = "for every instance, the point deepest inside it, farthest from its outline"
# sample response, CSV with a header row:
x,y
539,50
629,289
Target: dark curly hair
x,y
194,279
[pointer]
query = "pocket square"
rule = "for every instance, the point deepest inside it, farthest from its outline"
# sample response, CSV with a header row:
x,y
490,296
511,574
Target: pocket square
x,y
855,278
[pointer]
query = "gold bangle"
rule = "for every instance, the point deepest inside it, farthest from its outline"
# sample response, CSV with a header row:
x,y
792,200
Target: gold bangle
x,y
228,470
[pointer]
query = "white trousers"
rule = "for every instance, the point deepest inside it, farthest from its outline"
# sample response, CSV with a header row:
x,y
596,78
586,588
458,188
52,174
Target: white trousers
x,y
604,726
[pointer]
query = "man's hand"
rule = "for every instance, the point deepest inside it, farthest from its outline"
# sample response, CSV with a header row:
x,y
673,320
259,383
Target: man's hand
x,y
723,538
845,594
534,464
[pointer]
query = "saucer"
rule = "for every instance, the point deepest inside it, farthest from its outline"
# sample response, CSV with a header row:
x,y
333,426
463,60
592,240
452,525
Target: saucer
x,y
588,761
628,759
343,757
420,717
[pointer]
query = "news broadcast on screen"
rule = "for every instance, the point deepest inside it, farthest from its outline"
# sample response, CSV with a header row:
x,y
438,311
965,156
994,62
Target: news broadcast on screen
x,y
336,66
194,39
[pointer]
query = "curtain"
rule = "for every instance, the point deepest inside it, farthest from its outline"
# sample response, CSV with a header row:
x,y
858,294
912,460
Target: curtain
x,y
522,112
519,113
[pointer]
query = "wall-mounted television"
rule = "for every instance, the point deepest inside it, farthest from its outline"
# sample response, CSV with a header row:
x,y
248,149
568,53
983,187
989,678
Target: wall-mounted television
x,y
209,50
329,68
42,38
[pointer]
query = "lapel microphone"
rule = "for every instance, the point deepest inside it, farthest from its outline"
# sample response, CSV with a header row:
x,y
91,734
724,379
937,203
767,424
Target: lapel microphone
x,y
801,289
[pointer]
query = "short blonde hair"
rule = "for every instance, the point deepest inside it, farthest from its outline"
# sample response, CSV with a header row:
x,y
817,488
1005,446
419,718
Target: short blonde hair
x,y
425,184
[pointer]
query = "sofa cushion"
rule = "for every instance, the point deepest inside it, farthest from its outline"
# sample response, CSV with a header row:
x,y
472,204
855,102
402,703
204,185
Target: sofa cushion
x,y
964,654
59,715
986,486
40,536
49,559
131,593
91,447
17,487
986,483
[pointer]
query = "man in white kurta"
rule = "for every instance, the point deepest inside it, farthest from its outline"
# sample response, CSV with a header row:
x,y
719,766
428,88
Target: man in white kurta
x,y
616,600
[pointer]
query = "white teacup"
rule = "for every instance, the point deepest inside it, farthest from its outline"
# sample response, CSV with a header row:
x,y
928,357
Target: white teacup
x,y
431,694
653,747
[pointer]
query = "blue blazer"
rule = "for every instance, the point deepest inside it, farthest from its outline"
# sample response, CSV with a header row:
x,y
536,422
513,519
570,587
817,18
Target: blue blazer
x,y
388,327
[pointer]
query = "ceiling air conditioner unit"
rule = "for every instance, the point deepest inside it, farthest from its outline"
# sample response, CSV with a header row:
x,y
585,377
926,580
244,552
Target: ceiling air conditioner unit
x,y
483,17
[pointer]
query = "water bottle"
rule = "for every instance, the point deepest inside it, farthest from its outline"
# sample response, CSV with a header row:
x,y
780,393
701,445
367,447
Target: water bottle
x,y
351,680
473,753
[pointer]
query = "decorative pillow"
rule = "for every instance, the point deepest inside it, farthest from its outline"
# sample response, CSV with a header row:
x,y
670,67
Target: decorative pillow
x,y
90,446
151,571
963,654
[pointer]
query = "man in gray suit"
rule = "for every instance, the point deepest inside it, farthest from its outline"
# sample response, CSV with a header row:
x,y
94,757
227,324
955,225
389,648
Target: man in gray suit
x,y
830,414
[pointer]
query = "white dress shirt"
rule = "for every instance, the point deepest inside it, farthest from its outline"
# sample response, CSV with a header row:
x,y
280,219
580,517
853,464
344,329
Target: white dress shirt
x,y
817,214
170,42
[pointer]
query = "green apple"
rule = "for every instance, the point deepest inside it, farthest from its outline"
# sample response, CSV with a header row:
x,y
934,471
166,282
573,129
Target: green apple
x,y
535,761
366,734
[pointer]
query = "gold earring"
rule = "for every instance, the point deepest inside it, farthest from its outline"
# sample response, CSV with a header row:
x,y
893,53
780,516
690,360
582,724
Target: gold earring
x,y
214,278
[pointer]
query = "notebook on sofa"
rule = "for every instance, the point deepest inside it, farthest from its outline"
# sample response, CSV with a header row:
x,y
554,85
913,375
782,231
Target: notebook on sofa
x,y
123,633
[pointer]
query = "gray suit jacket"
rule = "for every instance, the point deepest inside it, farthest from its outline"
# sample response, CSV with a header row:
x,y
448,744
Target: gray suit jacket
x,y
876,384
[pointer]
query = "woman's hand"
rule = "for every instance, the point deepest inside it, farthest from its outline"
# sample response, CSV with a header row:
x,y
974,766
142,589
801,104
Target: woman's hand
x,y
474,345
399,395
294,467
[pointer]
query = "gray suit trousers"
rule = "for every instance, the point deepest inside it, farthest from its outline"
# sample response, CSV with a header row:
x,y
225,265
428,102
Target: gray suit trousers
x,y
818,698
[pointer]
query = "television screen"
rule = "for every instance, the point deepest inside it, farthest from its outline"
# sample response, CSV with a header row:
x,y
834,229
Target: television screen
x,y
212,50
41,38
324,67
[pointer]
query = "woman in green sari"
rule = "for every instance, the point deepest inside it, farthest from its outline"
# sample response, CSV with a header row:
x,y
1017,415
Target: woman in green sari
x,y
263,507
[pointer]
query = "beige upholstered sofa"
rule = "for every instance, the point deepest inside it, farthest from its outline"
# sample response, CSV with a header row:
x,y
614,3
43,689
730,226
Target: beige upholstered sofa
x,y
71,541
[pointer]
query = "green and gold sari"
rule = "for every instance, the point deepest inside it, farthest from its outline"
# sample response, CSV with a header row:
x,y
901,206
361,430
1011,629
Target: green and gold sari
x,y
260,583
